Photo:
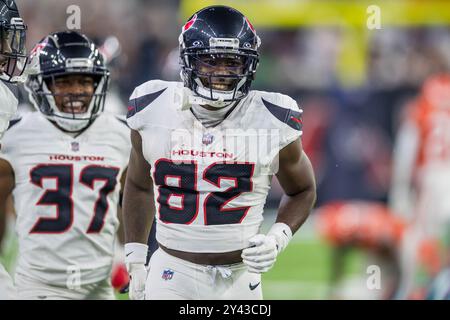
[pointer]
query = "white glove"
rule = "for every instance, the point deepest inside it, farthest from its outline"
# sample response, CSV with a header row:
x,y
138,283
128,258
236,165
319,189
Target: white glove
x,y
135,258
8,104
263,250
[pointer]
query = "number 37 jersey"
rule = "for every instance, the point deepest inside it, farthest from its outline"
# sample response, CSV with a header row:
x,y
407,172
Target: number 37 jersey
x,y
66,195
210,184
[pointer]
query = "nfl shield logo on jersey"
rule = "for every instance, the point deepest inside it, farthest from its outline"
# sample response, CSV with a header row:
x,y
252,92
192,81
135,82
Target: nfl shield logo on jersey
x,y
75,146
167,274
208,138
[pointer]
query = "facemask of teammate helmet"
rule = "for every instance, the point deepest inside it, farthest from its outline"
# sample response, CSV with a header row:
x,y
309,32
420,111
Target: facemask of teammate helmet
x,y
12,51
75,112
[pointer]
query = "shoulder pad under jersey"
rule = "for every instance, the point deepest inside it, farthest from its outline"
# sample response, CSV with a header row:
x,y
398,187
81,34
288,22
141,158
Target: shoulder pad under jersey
x,y
144,95
284,108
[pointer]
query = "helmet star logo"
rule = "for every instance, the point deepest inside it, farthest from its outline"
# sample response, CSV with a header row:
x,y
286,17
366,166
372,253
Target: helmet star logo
x,y
250,25
38,48
189,24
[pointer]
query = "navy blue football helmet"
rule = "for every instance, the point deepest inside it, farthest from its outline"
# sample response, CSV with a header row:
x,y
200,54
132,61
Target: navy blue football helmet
x,y
61,54
219,55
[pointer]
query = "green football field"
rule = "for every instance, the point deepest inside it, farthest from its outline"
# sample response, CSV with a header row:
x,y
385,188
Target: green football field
x,y
302,271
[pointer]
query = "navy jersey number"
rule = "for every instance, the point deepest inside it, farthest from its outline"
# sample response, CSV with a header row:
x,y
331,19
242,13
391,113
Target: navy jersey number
x,y
108,175
61,196
180,181
214,204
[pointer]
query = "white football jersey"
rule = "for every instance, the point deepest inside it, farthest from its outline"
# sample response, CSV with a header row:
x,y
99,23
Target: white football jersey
x,y
210,184
8,103
7,289
66,195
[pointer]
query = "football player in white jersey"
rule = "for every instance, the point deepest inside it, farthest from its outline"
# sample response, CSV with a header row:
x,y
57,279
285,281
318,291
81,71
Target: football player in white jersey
x,y
63,166
203,155
12,59
12,54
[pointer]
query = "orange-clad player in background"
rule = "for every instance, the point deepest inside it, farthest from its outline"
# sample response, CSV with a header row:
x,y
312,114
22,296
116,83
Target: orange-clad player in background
x,y
365,226
421,182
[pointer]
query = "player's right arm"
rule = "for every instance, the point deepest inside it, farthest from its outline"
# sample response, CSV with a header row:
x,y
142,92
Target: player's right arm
x,y
138,212
404,159
6,187
138,206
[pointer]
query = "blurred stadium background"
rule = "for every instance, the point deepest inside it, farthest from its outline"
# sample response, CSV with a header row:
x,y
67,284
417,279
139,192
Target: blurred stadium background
x,y
353,83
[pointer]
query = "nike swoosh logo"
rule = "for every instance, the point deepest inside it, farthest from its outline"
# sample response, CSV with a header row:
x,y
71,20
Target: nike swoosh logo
x,y
253,287
284,231
129,253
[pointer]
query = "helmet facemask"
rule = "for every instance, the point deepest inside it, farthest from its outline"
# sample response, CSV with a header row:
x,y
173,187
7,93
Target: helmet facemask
x,y
12,50
221,73
221,77
67,80
71,111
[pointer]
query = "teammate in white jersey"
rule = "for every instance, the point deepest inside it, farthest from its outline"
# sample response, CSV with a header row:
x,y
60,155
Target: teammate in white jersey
x,y
63,166
12,59
12,52
202,159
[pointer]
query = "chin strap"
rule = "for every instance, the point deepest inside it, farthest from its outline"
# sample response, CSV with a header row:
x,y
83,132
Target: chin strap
x,y
188,98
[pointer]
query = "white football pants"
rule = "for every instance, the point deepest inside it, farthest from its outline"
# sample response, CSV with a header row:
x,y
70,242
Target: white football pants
x,y
171,278
30,289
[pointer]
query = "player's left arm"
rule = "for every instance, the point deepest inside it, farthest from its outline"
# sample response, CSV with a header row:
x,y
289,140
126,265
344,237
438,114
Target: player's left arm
x,y
296,177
